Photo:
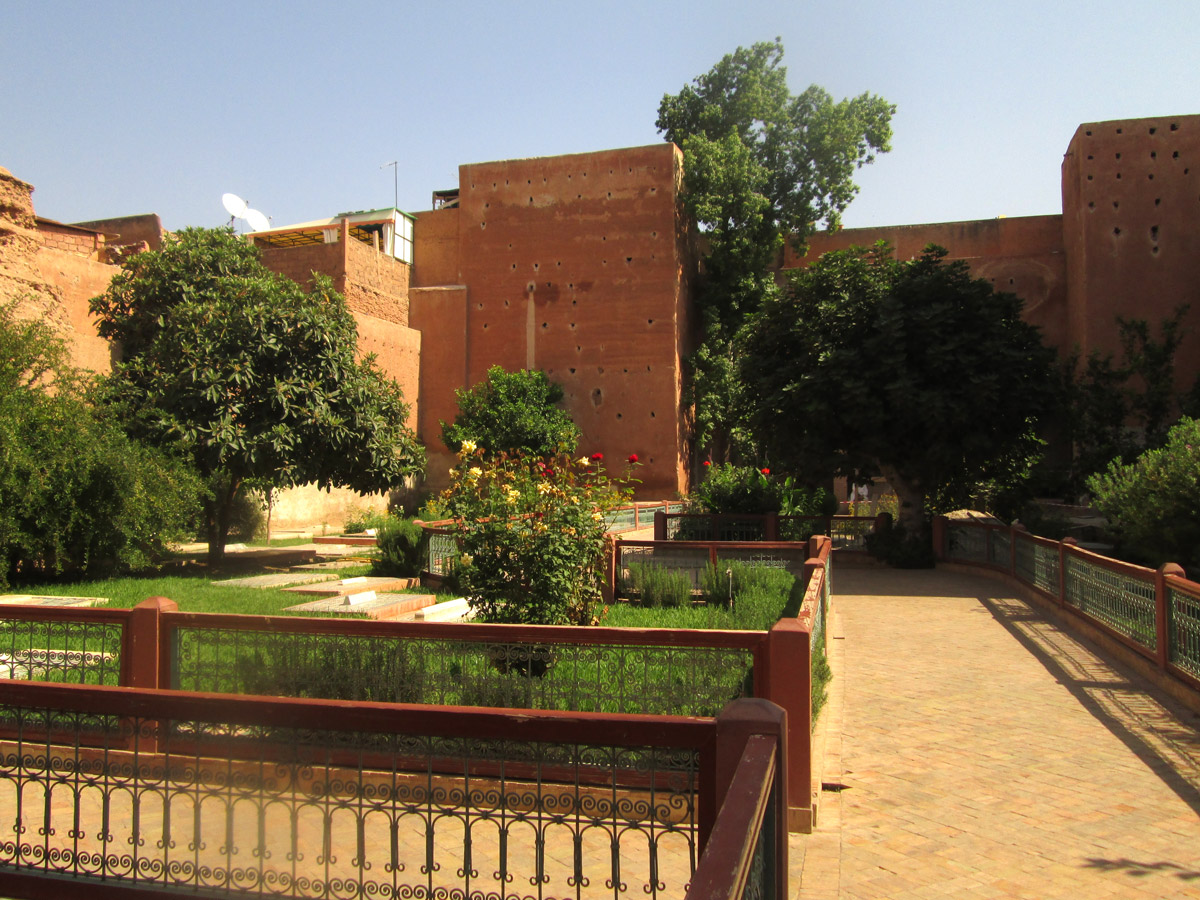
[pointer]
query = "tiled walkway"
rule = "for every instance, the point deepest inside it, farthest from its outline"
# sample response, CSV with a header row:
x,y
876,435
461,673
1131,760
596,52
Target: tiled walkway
x,y
986,752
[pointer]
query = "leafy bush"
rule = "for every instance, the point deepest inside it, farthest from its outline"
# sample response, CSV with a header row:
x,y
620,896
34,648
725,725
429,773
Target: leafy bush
x,y
531,533
76,494
402,545
247,519
1153,504
899,549
361,520
512,412
656,586
747,490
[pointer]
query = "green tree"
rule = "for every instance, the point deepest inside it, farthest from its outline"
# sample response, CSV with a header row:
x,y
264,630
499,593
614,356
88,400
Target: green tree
x,y
911,368
760,165
249,376
513,412
1153,503
76,495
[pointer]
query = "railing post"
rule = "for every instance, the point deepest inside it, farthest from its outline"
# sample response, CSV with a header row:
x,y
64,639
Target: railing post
x,y
146,651
1162,611
771,526
660,525
737,723
941,533
1062,568
789,686
612,553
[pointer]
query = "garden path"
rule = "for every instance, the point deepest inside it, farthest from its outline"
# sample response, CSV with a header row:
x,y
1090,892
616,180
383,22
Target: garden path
x,y
988,752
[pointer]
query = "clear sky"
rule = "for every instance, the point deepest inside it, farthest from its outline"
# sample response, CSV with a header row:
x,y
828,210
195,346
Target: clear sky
x,y
117,108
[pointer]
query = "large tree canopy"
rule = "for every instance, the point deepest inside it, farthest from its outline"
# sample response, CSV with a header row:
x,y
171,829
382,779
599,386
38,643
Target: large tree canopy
x,y
912,368
249,376
760,165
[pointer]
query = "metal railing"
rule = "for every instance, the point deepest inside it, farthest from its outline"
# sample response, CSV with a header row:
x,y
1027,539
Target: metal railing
x,y
138,792
846,532
1156,613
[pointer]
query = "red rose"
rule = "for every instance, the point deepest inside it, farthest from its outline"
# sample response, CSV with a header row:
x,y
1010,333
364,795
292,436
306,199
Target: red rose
x,y
707,463
596,457
632,457
766,471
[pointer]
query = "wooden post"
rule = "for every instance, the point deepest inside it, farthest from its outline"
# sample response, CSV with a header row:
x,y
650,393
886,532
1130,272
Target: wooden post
x,y
1162,611
789,686
146,651
771,526
737,722
941,532
660,525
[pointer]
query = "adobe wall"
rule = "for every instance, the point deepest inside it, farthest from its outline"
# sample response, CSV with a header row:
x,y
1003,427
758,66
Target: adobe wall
x,y
376,284
1023,255
125,230
51,273
439,314
1131,199
572,265
398,352
435,250
299,263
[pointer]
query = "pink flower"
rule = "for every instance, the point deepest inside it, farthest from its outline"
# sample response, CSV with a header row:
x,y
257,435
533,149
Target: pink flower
x,y
632,457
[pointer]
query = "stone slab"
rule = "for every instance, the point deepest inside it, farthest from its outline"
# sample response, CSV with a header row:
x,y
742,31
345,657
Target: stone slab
x,y
276,579
330,565
50,600
448,611
384,606
355,585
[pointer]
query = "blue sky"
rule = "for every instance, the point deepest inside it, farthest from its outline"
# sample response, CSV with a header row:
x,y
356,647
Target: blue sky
x,y
121,108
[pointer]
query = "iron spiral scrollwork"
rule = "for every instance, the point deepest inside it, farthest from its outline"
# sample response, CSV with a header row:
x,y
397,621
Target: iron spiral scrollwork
x,y
230,809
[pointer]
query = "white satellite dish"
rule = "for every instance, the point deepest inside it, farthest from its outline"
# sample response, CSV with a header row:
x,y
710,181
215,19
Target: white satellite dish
x,y
256,220
240,209
234,205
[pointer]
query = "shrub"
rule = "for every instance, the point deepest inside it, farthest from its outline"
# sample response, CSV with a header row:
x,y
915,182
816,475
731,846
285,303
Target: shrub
x,y
1153,504
76,494
732,578
247,519
402,544
656,586
747,490
899,549
513,412
532,535
361,520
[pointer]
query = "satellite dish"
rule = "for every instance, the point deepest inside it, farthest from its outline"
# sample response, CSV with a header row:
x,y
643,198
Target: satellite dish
x,y
234,205
256,220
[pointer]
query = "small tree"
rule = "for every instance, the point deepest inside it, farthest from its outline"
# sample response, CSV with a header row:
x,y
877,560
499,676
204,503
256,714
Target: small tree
x,y
1153,503
531,533
249,376
512,412
914,368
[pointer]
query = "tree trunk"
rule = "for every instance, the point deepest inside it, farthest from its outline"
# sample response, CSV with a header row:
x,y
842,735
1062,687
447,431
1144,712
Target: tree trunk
x,y
911,512
217,511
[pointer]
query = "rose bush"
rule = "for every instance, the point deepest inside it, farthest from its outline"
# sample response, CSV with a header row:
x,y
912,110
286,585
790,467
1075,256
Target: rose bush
x,y
531,535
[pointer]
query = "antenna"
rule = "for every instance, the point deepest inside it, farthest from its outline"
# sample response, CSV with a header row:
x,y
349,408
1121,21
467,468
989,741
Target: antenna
x,y
239,209
395,164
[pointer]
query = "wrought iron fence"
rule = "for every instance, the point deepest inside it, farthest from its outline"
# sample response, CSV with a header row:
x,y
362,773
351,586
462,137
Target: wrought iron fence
x,y
660,671
1122,601
1183,626
227,796
77,646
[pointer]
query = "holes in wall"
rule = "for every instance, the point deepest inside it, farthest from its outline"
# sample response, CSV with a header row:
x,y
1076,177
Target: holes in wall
x,y
628,260
572,326
1174,126
654,234
599,370
574,302
547,284
1152,130
482,226
536,266
1158,201
1118,176
1150,176
1154,250
649,321
531,201
506,304
578,349
559,264
1120,131
1089,178
1154,232
654,190
1011,281
514,267
1118,156
1091,204
571,370
652,414
479,306
1117,232
597,397
485,326
608,195
506,182
530,286
1090,156
604,237
1175,155
545,325
1153,155
570,285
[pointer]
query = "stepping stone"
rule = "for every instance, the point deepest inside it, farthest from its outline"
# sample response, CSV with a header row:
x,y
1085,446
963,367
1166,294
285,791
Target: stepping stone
x,y
276,579
352,540
50,600
383,606
354,586
330,565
